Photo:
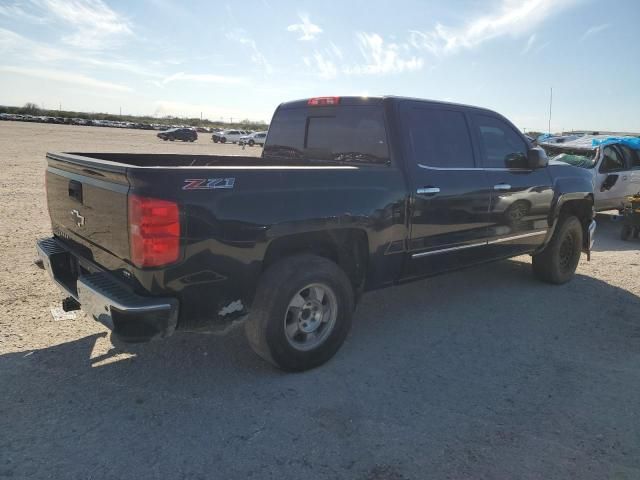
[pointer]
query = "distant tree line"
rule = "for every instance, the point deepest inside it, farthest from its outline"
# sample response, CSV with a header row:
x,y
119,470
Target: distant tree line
x,y
31,108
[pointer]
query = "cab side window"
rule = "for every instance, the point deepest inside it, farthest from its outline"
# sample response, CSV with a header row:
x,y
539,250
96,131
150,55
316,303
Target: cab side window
x,y
612,161
631,156
500,145
439,138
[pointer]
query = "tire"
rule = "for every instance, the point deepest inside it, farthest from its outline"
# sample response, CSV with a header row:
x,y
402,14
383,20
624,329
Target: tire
x,y
636,232
286,300
165,139
626,232
215,140
171,139
223,140
557,263
251,143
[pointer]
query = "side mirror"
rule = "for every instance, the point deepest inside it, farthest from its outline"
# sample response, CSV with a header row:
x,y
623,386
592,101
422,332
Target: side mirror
x,y
609,182
536,158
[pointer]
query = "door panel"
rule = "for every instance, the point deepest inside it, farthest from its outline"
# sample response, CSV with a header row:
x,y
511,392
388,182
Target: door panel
x,y
450,198
612,164
521,198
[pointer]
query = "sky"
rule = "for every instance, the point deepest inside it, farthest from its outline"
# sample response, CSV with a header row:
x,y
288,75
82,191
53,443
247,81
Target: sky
x,y
239,60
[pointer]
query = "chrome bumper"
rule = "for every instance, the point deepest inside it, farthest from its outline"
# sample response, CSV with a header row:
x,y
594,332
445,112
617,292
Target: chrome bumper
x,y
133,317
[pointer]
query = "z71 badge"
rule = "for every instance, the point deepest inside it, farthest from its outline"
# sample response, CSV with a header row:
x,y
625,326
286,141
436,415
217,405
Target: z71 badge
x,y
208,183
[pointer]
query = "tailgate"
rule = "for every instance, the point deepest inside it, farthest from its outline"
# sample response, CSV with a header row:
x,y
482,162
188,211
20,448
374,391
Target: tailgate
x,y
87,202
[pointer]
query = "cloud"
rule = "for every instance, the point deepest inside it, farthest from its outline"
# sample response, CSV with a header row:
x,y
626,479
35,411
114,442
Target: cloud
x,y
530,42
18,12
381,57
22,47
203,78
308,30
256,56
319,62
96,26
65,77
515,17
594,30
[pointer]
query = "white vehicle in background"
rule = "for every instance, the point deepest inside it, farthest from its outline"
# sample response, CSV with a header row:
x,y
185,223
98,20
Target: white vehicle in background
x,y
257,138
614,162
231,136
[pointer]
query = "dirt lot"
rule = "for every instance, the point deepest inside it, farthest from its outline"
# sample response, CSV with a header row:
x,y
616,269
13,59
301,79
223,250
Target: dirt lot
x,y
484,373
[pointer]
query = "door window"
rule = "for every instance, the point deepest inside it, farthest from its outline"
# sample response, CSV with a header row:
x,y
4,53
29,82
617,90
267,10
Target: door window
x,y
612,161
500,145
631,156
439,138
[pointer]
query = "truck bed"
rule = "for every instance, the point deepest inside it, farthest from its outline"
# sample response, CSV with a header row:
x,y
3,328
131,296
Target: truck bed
x,y
180,160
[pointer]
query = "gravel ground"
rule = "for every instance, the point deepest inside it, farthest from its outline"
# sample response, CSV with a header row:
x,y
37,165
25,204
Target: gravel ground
x,y
479,374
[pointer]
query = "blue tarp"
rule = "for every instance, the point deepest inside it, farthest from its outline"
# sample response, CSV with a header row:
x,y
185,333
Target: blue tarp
x,y
631,142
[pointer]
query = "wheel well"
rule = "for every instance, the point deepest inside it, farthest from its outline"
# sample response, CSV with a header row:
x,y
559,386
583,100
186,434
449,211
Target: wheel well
x,y
583,209
348,248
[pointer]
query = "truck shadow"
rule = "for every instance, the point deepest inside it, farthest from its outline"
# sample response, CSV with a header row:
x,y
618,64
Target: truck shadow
x,y
453,346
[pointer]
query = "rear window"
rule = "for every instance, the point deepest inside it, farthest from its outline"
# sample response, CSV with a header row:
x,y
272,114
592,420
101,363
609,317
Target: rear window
x,y
350,134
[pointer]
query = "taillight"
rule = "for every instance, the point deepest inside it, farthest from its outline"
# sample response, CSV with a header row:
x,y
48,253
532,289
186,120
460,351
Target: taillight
x,y
317,101
154,231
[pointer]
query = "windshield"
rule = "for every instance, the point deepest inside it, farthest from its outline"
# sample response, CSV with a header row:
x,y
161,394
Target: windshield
x,y
578,158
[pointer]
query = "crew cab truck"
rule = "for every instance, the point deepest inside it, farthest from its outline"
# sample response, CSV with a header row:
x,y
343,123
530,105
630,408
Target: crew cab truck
x,y
350,195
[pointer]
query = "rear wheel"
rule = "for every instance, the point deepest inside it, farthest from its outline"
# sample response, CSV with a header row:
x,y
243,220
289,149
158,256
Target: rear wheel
x,y
223,140
557,263
301,313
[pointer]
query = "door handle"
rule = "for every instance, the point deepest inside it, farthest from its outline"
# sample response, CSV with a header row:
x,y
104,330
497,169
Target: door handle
x,y
502,187
428,191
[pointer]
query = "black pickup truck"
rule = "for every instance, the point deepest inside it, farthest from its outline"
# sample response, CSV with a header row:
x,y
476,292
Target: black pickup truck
x,y
350,195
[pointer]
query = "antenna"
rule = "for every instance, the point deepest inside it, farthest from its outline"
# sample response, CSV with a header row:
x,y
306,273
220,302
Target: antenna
x,y
550,104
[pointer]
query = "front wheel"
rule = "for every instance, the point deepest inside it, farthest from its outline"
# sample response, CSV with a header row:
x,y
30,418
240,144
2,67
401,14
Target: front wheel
x,y
301,313
223,140
251,143
557,263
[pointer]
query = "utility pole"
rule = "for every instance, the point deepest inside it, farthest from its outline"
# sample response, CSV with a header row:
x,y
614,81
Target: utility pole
x,y
201,116
60,106
550,104
120,112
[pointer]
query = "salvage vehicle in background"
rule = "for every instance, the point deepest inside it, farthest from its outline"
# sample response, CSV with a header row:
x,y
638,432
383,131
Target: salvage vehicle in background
x,y
225,136
184,134
256,138
350,194
613,162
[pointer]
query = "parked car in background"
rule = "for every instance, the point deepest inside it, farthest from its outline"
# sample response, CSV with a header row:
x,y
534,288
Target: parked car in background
x,y
252,139
184,134
614,163
225,136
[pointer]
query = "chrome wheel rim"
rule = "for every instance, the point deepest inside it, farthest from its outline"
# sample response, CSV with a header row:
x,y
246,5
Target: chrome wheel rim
x,y
310,316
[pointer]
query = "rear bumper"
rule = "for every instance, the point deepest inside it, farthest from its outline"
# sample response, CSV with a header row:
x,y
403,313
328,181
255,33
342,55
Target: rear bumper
x,y
133,317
